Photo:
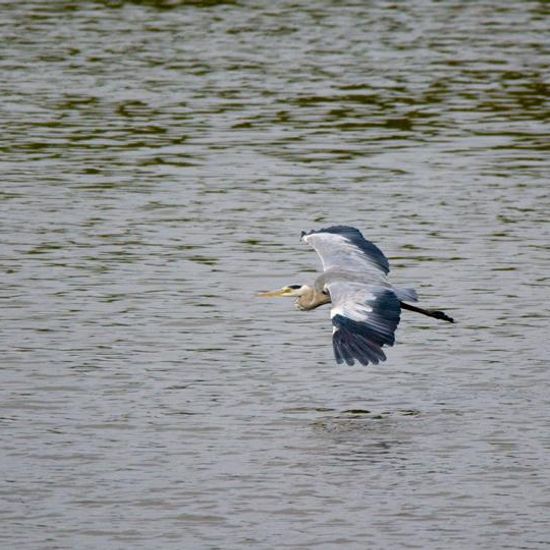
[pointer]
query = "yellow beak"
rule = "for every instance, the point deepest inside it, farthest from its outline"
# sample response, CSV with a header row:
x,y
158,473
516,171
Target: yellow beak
x,y
285,291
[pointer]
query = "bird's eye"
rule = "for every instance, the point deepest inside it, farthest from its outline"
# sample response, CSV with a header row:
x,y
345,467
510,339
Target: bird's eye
x,y
295,287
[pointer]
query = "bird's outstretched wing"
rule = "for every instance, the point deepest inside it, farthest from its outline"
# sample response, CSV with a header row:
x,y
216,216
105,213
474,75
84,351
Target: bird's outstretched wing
x,y
344,247
364,319
365,309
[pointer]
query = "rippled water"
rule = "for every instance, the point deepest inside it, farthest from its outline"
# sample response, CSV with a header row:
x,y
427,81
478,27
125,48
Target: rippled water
x,y
158,161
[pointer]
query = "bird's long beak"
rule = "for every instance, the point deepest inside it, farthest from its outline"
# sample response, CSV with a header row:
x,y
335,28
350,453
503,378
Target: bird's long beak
x,y
274,293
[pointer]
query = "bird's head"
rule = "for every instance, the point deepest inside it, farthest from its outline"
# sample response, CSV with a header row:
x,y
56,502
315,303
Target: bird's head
x,y
290,291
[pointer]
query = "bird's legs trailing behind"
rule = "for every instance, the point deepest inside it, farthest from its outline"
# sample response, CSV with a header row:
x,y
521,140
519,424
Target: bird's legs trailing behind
x,y
436,314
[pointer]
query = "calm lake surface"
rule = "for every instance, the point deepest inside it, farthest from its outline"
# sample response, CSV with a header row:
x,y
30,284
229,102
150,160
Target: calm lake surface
x,y
158,162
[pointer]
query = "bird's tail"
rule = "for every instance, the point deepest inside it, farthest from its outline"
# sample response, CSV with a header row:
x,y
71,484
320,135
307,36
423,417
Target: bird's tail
x,y
406,294
436,314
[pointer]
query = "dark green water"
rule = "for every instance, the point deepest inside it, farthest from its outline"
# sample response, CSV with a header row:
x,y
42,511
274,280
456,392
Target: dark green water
x,y
158,162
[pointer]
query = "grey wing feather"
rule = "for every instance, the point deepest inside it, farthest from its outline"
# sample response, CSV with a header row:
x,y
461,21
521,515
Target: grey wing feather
x,y
364,319
345,247
365,308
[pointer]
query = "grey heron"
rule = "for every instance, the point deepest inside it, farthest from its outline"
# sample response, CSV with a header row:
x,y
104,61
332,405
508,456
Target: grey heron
x,y
365,307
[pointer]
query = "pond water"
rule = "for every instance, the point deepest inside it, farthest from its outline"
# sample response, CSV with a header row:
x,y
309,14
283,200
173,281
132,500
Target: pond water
x,y
159,160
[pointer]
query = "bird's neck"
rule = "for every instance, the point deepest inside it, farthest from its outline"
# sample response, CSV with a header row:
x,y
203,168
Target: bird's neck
x,y
311,299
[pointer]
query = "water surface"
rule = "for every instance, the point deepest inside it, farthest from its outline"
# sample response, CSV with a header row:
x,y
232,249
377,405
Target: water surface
x,y
159,160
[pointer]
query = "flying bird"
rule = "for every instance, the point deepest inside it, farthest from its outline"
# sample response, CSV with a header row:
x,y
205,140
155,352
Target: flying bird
x,y
365,307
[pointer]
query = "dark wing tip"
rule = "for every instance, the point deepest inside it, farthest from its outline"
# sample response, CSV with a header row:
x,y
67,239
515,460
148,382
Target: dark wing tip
x,y
337,229
349,346
355,340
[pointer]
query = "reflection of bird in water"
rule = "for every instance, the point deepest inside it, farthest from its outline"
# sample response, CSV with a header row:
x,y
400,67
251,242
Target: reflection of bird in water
x,y
365,306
